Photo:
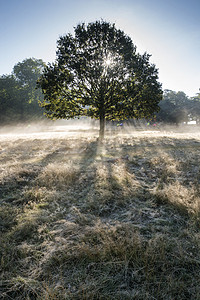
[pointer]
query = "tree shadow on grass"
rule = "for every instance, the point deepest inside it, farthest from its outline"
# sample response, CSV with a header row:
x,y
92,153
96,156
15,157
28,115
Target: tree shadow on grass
x,y
85,241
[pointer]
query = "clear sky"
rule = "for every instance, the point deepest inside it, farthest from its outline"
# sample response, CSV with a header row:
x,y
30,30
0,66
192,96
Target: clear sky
x,y
169,30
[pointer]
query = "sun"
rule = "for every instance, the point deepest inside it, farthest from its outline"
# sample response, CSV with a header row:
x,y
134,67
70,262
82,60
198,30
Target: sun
x,y
108,62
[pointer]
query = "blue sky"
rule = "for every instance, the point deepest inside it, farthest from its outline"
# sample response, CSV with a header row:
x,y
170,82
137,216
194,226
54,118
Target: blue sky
x,y
169,30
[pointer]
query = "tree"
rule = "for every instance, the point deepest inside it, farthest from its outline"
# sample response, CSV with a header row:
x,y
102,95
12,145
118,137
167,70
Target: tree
x,y
18,94
174,108
194,108
8,98
26,74
98,73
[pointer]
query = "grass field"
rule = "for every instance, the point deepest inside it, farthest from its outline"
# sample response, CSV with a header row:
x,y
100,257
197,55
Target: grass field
x,y
83,220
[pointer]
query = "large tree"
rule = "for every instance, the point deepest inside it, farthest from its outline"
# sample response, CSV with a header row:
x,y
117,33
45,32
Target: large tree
x,y
98,73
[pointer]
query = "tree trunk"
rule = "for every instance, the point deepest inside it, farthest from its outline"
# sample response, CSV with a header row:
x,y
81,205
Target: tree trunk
x,y
102,127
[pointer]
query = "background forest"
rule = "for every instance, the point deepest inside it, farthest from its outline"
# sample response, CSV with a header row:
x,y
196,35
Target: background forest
x,y
18,93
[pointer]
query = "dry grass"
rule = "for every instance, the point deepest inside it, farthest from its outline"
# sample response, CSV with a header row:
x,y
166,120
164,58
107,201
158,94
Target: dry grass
x,y
82,220
57,176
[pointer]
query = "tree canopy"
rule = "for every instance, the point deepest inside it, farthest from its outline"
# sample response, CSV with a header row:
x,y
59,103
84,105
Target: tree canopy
x,y
98,73
18,94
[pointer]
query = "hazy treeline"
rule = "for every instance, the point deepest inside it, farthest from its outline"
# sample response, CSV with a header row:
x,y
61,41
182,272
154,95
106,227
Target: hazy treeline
x,y
177,107
19,98
18,93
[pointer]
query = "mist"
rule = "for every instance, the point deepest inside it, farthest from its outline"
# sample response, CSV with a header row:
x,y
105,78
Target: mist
x,y
86,127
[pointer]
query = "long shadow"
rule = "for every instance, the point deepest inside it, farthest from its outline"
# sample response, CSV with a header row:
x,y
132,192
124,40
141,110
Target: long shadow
x,y
88,156
90,153
12,187
103,156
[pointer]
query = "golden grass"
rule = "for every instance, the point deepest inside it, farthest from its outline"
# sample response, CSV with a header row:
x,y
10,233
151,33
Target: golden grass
x,y
57,175
186,199
118,220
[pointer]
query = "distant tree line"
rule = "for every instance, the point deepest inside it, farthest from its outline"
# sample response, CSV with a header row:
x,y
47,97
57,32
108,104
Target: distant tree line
x,y
20,97
18,93
177,107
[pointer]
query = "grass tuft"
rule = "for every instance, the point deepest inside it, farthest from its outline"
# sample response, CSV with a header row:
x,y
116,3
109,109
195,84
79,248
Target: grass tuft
x,y
57,175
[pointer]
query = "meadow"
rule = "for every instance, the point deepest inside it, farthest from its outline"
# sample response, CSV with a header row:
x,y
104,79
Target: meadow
x,y
81,219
